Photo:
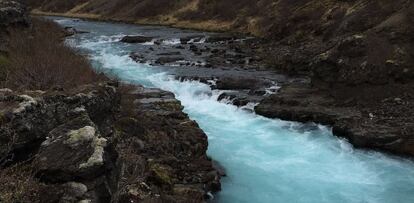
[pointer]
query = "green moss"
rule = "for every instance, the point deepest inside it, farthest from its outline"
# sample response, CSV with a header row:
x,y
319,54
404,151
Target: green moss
x,y
4,67
4,61
161,173
171,106
84,134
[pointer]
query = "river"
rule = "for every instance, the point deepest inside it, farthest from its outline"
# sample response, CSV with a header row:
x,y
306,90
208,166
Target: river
x,y
266,160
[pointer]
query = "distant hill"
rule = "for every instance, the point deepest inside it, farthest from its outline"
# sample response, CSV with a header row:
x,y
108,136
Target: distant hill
x,y
356,41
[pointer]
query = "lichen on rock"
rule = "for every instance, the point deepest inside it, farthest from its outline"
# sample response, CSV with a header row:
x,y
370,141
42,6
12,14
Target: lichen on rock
x,y
27,102
97,157
84,134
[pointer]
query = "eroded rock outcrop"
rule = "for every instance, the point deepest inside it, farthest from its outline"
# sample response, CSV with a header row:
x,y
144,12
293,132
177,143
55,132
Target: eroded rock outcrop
x,y
102,143
386,124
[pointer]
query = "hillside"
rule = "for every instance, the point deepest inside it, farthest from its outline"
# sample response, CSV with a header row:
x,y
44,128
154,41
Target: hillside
x,y
347,41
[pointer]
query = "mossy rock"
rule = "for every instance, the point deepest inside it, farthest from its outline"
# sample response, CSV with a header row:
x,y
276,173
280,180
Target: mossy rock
x,y
171,106
162,174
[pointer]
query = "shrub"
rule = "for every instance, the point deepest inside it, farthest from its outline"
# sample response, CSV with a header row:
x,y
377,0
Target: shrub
x,y
38,59
18,184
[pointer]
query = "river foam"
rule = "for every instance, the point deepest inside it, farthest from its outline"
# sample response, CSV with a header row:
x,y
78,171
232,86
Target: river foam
x,y
266,160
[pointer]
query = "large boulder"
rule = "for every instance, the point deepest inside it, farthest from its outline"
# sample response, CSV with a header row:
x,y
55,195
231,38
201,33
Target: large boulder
x,y
26,119
71,151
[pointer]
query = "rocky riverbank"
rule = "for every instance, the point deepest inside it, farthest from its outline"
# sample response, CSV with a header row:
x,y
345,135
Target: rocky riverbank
x,y
385,124
95,142
369,116
103,143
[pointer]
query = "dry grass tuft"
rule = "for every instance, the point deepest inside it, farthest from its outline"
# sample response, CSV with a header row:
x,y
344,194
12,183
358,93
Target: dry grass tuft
x,y
38,59
19,185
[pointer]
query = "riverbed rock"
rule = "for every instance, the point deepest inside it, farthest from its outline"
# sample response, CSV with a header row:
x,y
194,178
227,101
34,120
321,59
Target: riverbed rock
x,y
220,38
238,83
137,57
240,98
168,59
169,53
136,39
70,31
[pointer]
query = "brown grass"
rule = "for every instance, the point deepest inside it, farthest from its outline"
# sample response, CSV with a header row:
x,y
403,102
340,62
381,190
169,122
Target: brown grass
x,y
18,185
38,59
67,14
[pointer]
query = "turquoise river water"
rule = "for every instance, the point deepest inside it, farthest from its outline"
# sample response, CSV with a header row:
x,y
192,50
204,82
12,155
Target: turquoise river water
x,y
266,160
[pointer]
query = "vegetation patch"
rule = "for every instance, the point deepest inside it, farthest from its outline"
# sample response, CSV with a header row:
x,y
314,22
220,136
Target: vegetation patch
x,y
39,59
4,65
19,185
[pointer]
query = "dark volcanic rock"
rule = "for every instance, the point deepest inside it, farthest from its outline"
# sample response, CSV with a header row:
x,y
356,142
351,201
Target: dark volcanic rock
x,y
240,98
137,57
69,31
71,151
166,59
136,39
238,83
28,119
368,45
383,125
155,136
12,13
104,143
220,38
169,53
